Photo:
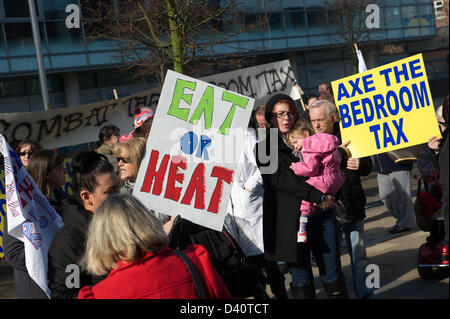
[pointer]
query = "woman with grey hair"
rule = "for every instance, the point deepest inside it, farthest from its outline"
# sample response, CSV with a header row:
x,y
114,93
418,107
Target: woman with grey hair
x,y
127,243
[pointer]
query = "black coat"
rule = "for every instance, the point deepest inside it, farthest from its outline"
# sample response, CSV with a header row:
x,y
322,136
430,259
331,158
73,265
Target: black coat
x,y
443,178
283,194
26,288
443,167
352,193
67,248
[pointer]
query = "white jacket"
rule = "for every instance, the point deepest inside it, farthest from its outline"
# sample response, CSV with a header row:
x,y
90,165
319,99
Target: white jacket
x,y
245,209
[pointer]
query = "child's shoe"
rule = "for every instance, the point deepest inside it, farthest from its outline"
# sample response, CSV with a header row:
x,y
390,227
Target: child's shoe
x,y
301,235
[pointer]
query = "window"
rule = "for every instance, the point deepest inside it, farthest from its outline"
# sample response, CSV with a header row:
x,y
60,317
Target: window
x,y
316,21
295,22
275,26
112,78
409,16
88,80
54,85
426,15
2,42
56,9
12,88
18,8
439,10
20,39
392,17
248,22
61,39
226,25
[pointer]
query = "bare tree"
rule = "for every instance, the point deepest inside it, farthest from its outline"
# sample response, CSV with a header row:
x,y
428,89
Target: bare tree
x,y
160,34
347,21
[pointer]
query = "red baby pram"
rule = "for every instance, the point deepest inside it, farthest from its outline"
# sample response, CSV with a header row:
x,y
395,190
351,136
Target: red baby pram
x,y
433,255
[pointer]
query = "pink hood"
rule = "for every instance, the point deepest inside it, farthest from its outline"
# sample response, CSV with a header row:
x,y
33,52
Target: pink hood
x,y
320,143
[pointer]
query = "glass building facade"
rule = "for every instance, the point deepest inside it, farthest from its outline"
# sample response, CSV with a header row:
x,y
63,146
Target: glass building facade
x,y
294,25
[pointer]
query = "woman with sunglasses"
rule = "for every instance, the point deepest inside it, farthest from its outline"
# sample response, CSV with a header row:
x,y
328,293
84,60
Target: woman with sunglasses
x,y
25,149
129,156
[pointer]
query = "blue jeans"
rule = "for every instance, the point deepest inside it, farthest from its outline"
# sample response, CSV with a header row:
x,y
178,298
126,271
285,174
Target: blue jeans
x,y
356,246
323,241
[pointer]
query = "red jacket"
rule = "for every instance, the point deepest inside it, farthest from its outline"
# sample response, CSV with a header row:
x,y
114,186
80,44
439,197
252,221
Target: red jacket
x,y
161,275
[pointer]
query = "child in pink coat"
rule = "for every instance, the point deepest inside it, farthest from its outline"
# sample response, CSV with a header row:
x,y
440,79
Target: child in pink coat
x,y
321,162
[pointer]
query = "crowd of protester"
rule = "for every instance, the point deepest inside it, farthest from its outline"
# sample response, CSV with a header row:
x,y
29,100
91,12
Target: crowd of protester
x,y
279,220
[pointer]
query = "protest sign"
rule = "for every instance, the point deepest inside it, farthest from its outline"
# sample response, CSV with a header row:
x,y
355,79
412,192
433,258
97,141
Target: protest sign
x,y
81,124
2,209
193,149
67,188
77,125
31,218
386,108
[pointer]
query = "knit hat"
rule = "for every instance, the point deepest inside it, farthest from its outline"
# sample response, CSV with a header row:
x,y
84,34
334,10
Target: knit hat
x,y
126,137
141,116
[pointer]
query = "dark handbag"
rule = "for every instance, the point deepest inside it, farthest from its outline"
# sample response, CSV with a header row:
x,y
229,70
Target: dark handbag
x,y
195,276
242,279
340,212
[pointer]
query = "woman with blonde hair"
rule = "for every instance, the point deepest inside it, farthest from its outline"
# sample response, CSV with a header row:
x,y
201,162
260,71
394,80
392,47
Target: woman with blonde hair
x,y
129,157
127,243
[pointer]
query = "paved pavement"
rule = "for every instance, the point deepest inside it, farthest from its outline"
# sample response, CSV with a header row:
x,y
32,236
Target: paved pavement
x,y
394,254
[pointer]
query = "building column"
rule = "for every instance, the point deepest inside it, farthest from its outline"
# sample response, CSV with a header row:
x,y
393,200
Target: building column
x,y
71,89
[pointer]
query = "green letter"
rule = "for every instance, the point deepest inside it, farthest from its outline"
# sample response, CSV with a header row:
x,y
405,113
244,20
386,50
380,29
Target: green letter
x,y
178,95
206,105
236,100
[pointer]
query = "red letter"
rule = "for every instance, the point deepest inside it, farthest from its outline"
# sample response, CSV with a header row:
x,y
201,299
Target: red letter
x,y
26,187
152,173
224,174
173,192
197,185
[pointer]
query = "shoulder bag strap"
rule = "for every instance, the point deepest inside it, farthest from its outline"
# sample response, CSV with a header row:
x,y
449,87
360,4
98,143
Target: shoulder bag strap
x,y
195,276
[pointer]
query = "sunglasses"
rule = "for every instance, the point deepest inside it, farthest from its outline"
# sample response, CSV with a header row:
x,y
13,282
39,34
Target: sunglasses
x,y
123,159
26,153
283,114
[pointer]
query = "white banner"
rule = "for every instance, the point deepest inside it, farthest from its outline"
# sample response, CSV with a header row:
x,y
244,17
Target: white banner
x,y
81,124
258,82
189,171
74,125
31,218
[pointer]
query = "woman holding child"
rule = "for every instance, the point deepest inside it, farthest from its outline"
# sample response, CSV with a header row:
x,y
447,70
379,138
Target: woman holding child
x,y
283,195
